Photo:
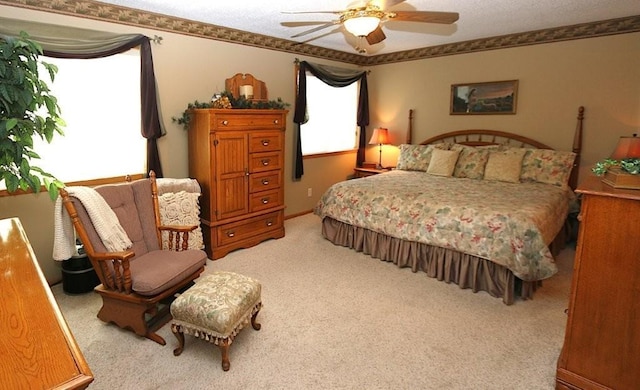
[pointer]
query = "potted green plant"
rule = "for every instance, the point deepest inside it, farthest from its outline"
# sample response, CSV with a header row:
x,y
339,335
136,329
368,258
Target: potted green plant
x,y
629,165
27,110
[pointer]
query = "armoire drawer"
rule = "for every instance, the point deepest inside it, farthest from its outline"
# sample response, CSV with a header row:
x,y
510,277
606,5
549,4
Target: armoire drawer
x,y
264,181
265,141
237,231
262,162
235,121
264,200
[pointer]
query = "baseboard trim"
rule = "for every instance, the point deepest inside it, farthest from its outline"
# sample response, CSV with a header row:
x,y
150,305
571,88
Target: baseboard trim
x,y
297,214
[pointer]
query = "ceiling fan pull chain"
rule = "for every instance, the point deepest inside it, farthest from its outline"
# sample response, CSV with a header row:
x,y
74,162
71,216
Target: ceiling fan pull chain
x,y
360,46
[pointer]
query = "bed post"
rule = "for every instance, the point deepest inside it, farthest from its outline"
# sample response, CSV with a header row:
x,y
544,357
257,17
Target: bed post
x,y
577,147
410,129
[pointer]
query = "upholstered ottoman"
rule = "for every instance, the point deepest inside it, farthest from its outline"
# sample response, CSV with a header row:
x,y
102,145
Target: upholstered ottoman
x,y
215,309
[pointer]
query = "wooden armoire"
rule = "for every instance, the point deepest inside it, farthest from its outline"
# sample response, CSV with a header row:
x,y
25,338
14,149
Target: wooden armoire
x,y
237,156
602,341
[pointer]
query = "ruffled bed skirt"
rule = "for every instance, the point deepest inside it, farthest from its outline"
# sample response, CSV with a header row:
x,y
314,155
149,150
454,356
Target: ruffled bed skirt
x,y
446,265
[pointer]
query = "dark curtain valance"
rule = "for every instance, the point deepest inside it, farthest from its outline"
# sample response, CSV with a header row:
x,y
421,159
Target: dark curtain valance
x,y
335,77
69,42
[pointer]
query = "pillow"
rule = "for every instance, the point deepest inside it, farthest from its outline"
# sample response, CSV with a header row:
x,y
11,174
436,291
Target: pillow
x,y
471,161
181,208
547,166
505,166
416,157
443,162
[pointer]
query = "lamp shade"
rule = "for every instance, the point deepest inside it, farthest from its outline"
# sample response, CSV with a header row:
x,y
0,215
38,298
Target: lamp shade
x,y
628,147
380,136
361,26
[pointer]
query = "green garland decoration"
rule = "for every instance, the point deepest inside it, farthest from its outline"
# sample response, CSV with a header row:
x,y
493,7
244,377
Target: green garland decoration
x,y
236,103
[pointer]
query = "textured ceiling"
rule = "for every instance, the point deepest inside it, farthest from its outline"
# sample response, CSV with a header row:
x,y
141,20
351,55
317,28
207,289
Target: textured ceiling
x,y
478,19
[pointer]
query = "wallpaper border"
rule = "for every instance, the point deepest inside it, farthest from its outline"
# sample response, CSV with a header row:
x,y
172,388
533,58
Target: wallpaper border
x,y
128,16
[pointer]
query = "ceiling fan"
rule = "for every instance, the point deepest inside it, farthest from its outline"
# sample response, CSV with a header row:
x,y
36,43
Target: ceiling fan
x,y
366,20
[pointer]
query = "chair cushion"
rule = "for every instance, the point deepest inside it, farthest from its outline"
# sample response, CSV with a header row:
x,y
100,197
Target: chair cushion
x,y
132,203
219,304
159,270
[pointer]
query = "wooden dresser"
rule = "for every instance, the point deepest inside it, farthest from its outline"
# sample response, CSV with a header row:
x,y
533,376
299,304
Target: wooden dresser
x,y
237,156
37,349
602,341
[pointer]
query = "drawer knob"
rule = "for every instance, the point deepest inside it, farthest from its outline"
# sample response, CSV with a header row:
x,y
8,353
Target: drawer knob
x,y
265,142
225,122
275,122
265,200
265,182
231,233
269,222
265,161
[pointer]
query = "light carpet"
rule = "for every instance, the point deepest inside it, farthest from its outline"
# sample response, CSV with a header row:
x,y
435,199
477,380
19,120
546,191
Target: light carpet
x,y
337,319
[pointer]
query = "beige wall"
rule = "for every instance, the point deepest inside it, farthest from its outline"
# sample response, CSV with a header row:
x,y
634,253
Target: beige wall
x,y
187,69
601,74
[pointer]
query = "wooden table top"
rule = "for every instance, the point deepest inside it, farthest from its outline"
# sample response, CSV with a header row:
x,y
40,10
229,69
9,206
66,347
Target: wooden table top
x,y
37,349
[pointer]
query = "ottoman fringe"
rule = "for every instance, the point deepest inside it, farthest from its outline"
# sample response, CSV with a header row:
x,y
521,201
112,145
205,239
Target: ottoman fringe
x,y
211,336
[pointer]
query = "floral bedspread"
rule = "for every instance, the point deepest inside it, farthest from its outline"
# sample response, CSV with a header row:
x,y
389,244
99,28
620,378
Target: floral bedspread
x,y
511,224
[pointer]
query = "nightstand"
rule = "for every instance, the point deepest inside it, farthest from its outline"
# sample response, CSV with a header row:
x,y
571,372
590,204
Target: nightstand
x,y
364,172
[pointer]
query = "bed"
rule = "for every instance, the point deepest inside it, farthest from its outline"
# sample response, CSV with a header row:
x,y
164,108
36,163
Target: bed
x,y
483,209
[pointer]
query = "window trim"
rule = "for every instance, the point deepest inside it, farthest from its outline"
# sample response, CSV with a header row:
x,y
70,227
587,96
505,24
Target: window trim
x,y
85,183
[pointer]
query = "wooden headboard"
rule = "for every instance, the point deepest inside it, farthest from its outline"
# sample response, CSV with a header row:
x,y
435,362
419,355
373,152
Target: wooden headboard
x,y
482,137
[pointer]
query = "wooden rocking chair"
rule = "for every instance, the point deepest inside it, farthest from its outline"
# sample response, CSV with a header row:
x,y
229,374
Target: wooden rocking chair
x,y
138,284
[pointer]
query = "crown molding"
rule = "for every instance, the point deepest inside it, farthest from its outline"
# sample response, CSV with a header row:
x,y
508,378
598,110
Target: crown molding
x,y
123,15
625,25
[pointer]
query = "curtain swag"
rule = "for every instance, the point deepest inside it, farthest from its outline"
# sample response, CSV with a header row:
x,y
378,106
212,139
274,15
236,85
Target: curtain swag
x,y
69,42
335,77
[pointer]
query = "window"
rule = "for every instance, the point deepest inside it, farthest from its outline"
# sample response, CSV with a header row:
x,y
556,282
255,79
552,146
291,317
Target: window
x,y
332,121
99,100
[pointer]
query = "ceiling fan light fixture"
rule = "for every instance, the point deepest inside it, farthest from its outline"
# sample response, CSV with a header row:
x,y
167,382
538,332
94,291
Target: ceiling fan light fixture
x,y
361,26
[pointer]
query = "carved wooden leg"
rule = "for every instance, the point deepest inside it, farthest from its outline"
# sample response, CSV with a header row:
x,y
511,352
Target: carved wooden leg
x,y
224,350
180,336
255,325
153,336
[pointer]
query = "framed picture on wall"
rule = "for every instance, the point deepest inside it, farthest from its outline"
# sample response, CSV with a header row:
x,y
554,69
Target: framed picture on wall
x,y
495,97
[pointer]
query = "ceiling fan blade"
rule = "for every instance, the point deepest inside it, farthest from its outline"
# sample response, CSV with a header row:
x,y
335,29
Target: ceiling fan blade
x,y
385,4
425,17
310,12
318,36
376,36
302,24
320,27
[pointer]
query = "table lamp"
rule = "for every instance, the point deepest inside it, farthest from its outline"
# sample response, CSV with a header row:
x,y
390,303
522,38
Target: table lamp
x,y
380,137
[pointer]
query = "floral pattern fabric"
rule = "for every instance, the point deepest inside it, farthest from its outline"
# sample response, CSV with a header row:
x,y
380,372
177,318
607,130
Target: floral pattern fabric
x,y
471,161
417,157
219,305
511,224
547,166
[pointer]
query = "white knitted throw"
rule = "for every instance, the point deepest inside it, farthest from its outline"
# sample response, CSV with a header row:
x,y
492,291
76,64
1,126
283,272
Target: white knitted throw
x,y
104,221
